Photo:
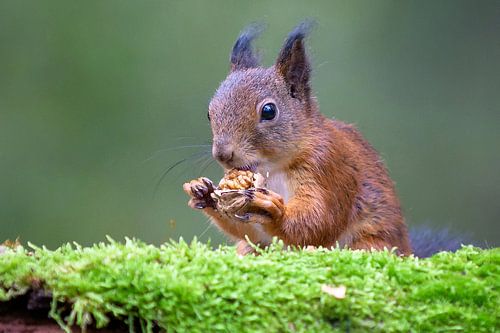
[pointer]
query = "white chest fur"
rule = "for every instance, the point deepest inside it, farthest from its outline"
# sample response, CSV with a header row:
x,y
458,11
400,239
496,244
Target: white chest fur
x,y
277,182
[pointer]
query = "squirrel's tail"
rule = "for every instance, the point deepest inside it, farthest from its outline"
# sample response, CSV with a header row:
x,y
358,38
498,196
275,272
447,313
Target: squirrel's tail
x,y
427,241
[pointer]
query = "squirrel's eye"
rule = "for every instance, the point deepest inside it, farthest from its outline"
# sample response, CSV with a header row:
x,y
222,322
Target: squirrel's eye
x,y
268,111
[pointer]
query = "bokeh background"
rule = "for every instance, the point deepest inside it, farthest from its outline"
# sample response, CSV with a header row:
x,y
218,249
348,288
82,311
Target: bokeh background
x,y
99,98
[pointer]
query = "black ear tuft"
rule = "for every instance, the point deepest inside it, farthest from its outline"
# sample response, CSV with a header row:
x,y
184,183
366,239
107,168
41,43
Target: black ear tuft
x,y
293,63
243,55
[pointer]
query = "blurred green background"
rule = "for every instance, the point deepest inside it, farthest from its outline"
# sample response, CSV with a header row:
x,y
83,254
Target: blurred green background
x,y
98,97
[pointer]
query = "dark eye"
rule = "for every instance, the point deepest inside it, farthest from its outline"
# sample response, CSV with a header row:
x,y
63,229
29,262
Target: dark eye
x,y
268,111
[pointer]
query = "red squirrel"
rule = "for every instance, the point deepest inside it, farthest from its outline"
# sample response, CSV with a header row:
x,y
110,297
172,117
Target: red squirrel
x,y
327,185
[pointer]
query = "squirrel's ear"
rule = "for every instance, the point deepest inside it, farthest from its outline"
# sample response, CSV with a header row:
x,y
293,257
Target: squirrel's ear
x,y
293,63
243,55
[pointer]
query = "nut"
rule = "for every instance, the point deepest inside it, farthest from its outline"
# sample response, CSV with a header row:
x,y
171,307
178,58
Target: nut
x,y
238,180
241,180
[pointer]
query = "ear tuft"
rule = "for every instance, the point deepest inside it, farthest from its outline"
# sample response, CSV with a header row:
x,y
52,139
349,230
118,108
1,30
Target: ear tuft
x,y
243,55
293,63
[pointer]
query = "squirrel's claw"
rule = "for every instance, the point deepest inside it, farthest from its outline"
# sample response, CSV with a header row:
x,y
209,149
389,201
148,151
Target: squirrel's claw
x,y
244,217
197,204
254,218
200,190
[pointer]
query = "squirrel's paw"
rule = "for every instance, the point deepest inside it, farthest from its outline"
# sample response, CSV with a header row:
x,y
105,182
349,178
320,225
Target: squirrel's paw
x,y
257,206
199,190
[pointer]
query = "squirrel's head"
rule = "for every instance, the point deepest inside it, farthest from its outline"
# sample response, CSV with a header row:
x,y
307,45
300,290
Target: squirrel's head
x,y
259,116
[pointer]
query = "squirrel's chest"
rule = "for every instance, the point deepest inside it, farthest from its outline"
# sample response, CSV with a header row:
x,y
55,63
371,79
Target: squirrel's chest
x,y
278,183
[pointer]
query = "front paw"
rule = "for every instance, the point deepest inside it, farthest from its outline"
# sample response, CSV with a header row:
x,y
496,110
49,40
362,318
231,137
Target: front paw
x,y
258,206
200,191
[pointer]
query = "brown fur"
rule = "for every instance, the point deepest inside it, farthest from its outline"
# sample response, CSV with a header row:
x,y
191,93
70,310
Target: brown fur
x,y
334,186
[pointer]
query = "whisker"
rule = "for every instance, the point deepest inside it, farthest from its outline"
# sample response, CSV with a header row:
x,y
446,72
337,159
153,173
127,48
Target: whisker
x,y
207,166
203,159
178,138
207,228
171,167
206,161
174,148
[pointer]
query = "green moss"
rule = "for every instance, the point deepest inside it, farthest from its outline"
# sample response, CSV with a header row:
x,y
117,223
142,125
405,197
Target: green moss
x,y
191,288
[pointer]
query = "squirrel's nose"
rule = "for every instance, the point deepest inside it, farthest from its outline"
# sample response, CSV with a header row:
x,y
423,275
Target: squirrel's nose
x,y
223,154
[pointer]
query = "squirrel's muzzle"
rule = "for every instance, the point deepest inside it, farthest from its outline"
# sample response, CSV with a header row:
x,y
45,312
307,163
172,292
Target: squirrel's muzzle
x,y
223,153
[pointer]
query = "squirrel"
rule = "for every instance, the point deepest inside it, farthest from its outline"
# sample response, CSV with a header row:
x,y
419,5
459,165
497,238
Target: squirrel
x,y
327,185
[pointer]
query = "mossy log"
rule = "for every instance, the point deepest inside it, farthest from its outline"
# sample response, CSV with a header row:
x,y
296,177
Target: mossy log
x,y
181,287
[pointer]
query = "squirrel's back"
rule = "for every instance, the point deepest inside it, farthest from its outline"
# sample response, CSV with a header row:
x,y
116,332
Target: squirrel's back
x,y
376,209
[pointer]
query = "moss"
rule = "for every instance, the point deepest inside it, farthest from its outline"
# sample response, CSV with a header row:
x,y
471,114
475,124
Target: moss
x,y
191,288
